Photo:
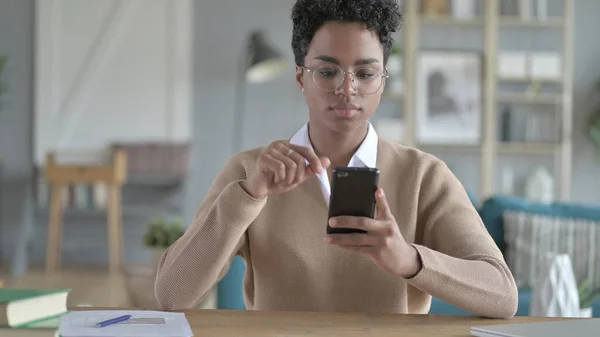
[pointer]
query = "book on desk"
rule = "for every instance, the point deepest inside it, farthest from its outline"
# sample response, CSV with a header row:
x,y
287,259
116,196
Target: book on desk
x,y
23,308
31,312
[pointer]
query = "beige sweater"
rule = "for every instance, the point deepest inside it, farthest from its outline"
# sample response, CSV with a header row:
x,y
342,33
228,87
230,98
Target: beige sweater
x,y
290,267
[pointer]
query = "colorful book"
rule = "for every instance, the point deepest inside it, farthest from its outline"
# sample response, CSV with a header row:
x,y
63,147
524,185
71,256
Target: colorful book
x,y
20,308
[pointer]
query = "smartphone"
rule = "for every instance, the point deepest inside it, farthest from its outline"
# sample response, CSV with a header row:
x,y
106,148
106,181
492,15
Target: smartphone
x,y
352,193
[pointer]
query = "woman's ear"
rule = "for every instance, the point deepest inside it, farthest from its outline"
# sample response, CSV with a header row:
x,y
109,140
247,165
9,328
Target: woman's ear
x,y
299,78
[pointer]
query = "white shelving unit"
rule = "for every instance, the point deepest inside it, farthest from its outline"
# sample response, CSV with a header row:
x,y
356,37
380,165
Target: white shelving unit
x,y
490,148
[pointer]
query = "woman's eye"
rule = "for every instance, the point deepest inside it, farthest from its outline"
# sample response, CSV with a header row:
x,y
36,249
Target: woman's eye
x,y
327,72
366,73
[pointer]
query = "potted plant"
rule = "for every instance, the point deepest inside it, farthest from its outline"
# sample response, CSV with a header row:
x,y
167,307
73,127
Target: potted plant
x,y
162,234
587,294
594,124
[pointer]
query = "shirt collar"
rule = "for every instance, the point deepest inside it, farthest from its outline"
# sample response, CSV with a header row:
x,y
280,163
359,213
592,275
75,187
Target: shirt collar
x,y
366,155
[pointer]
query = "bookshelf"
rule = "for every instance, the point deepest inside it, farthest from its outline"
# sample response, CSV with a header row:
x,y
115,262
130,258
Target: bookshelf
x,y
538,96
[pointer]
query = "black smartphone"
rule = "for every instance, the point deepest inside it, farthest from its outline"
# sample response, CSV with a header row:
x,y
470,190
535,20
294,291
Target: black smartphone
x,y
352,193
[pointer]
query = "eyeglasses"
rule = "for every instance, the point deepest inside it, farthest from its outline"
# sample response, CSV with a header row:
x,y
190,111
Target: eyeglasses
x,y
366,80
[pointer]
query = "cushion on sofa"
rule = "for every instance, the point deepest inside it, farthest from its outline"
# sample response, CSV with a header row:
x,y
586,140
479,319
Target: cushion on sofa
x,y
439,307
493,209
530,236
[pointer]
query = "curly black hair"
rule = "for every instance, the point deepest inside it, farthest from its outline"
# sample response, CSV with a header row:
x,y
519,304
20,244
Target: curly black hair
x,y
380,16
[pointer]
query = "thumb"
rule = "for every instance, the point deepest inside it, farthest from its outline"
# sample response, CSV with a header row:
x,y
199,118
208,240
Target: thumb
x,y
383,209
325,162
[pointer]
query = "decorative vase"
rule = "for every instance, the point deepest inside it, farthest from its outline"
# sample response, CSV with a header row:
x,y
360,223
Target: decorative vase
x,y
542,9
394,65
525,9
540,186
463,9
555,291
508,179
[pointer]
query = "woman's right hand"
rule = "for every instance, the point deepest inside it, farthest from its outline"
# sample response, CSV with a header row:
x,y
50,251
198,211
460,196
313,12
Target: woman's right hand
x,y
281,167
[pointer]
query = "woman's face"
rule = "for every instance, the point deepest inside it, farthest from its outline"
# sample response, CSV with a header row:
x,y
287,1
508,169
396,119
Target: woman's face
x,y
351,48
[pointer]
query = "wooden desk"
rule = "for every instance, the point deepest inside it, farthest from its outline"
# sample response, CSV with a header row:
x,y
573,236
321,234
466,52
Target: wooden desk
x,y
256,323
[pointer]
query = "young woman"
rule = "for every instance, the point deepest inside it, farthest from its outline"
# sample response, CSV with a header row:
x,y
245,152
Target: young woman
x,y
269,205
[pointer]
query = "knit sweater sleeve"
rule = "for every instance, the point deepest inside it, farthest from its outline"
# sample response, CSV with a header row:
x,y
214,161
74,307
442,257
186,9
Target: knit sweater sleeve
x,y
461,264
202,256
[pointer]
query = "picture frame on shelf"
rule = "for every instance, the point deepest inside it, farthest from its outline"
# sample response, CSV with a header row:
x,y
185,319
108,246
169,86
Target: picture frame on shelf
x,y
449,97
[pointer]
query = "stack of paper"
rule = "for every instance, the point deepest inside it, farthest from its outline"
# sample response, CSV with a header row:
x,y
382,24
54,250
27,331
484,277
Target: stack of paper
x,y
141,324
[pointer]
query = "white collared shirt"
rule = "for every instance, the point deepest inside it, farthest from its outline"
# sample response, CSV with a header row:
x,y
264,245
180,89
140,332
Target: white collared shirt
x,y
365,156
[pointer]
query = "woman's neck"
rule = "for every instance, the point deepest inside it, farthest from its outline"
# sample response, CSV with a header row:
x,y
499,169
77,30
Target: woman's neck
x,y
339,147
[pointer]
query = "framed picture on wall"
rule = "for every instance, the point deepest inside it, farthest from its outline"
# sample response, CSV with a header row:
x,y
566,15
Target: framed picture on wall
x,y
449,97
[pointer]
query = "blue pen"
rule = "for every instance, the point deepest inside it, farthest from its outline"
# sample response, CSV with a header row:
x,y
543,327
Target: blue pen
x,y
113,321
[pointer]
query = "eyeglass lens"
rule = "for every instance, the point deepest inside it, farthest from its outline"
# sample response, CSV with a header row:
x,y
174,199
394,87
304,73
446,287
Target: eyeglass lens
x,y
366,80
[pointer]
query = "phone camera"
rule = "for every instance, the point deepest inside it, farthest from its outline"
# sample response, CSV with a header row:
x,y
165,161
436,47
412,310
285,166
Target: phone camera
x,y
342,174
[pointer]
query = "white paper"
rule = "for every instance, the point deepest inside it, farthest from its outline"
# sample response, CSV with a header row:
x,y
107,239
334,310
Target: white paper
x,y
83,324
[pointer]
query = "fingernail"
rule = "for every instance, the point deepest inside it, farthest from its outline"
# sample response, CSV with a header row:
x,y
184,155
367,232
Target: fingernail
x,y
327,239
332,222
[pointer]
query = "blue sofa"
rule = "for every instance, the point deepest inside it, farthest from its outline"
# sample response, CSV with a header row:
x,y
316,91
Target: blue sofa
x,y
491,213
230,294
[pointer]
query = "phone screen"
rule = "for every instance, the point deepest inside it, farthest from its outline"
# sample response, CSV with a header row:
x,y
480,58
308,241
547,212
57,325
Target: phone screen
x,y
353,193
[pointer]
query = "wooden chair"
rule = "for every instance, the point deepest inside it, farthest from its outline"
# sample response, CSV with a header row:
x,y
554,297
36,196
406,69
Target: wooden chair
x,y
113,176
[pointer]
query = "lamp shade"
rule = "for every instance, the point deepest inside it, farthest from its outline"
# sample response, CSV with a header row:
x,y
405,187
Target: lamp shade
x,y
264,62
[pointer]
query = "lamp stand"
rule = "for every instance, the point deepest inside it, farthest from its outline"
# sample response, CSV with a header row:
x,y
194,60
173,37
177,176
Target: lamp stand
x,y
240,98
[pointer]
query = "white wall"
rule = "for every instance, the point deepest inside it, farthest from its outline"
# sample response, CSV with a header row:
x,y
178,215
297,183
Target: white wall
x,y
111,71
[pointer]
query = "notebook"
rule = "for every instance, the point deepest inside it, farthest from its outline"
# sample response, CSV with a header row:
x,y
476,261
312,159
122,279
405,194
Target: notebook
x,y
142,324
23,307
569,327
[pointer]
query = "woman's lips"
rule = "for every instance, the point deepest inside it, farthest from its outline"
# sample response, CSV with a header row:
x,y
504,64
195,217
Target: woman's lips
x,y
346,112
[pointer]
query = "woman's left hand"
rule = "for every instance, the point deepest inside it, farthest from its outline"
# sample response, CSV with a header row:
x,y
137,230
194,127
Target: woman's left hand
x,y
383,242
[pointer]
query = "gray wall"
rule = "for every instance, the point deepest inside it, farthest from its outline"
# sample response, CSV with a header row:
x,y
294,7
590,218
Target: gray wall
x,y
16,41
273,110
276,109
85,232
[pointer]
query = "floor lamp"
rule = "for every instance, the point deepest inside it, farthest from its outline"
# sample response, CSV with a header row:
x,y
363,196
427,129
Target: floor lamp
x,y
259,63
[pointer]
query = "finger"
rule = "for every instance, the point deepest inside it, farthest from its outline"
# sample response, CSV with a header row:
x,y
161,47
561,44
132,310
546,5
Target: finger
x,y
356,222
310,155
325,162
354,239
276,167
290,166
301,168
383,209
368,250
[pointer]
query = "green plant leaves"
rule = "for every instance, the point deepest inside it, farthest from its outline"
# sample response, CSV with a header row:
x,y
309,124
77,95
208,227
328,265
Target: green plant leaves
x,y
162,233
587,294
